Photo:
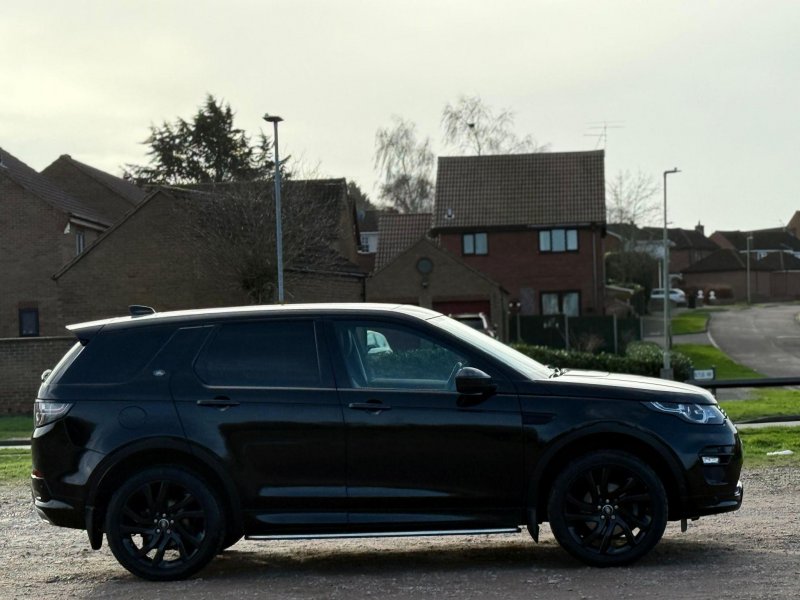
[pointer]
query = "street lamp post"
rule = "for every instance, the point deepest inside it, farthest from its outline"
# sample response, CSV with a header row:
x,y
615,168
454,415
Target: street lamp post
x,y
749,242
274,119
666,372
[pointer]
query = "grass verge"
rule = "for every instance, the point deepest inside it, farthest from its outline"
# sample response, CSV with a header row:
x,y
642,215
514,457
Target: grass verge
x,y
757,442
15,464
705,357
767,403
18,426
695,321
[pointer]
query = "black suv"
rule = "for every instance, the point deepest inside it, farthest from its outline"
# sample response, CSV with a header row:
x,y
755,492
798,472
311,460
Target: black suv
x,y
176,434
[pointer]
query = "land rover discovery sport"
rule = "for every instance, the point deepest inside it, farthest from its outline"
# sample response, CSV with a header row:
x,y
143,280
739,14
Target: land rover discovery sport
x,y
176,434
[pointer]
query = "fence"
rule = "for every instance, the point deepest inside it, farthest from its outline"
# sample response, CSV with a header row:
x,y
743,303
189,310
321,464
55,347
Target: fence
x,y
590,334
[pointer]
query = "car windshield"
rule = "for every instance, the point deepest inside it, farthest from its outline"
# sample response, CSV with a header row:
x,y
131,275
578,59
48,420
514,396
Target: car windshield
x,y
505,354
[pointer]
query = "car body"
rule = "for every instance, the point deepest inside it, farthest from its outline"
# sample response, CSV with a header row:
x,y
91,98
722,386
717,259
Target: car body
x,y
676,296
177,433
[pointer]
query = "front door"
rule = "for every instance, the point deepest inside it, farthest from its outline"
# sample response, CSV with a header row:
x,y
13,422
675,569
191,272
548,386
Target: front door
x,y
420,456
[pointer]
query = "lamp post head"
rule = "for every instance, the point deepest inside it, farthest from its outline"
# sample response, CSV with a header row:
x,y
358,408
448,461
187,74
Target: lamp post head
x,y
675,170
272,118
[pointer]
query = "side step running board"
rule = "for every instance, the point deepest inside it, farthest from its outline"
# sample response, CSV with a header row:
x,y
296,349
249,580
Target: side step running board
x,y
329,536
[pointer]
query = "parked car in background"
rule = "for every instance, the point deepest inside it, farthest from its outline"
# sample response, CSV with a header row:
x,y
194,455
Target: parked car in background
x,y
176,434
676,296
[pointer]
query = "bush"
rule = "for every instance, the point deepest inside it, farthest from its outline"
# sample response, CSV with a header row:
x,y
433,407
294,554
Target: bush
x,y
641,358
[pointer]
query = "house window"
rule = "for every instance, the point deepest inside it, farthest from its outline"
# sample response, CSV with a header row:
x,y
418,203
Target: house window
x,y
28,322
558,240
80,242
561,303
475,243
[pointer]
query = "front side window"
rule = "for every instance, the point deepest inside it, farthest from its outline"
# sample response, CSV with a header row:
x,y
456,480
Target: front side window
x,y
558,240
378,355
561,303
475,243
261,354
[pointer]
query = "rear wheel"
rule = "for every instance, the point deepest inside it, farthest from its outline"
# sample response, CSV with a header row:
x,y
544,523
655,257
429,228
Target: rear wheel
x,y
164,524
608,509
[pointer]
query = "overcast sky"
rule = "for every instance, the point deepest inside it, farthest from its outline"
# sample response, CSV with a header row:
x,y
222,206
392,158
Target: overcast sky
x,y
712,88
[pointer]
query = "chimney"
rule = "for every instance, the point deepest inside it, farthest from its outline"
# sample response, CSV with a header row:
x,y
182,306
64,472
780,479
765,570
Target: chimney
x,y
700,229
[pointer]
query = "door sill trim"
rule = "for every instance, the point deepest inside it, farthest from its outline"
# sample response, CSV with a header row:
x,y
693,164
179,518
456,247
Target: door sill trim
x,y
380,534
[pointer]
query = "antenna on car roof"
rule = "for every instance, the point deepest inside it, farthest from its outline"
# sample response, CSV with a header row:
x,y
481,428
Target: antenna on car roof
x,y
139,310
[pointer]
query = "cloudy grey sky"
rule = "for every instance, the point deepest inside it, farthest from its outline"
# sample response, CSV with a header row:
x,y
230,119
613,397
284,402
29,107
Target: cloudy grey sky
x,y
712,87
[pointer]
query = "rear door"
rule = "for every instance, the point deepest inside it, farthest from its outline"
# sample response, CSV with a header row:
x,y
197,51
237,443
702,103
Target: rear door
x,y
260,396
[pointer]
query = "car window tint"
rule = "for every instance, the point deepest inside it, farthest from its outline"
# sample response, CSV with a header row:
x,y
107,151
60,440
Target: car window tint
x,y
262,354
404,358
116,356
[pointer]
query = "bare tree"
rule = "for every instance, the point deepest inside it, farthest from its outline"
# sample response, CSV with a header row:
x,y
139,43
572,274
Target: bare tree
x,y
472,127
405,165
631,199
235,226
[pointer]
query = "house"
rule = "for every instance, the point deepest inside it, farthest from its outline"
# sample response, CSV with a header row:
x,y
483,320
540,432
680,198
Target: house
x,y
104,193
411,268
534,223
759,242
686,246
399,231
42,227
163,254
775,276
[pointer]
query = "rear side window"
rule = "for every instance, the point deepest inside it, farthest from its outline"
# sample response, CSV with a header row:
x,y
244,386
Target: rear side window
x,y
116,356
261,354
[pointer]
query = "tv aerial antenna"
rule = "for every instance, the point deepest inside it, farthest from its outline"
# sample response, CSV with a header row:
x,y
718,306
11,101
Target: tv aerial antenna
x,y
599,130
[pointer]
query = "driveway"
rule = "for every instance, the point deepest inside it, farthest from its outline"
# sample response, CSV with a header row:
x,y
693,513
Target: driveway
x,y
764,338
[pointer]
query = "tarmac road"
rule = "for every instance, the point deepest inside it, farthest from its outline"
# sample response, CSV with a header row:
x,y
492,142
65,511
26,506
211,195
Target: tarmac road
x,y
764,338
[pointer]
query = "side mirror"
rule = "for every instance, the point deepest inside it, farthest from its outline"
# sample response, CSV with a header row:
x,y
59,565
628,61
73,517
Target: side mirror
x,y
470,380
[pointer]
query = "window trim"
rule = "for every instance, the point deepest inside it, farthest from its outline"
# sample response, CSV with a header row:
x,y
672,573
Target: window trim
x,y
80,242
35,311
566,250
561,294
473,236
325,381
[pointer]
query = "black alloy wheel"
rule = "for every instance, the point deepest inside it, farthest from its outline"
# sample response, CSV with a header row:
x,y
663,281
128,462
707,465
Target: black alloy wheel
x,y
608,509
164,524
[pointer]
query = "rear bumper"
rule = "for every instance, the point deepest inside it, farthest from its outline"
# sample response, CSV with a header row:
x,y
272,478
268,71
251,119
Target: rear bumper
x,y
56,512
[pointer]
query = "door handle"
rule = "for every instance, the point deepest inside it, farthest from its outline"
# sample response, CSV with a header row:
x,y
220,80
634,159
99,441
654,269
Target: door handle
x,y
375,406
218,402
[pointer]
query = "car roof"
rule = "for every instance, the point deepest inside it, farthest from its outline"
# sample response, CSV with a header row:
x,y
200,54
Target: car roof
x,y
88,329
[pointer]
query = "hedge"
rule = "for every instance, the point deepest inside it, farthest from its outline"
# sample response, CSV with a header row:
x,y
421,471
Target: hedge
x,y
641,358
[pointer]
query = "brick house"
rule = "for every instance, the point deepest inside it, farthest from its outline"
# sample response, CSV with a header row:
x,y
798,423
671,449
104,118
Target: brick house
x,y
425,275
41,228
154,256
107,195
686,246
762,241
534,223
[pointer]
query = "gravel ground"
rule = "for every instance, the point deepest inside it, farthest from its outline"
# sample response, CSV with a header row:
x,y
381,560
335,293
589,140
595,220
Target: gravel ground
x,y
753,553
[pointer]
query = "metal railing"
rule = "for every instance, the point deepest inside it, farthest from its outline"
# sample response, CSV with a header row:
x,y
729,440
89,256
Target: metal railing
x,y
714,384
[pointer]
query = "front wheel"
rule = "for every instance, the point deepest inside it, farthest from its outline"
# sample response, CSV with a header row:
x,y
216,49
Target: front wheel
x,y
607,509
164,524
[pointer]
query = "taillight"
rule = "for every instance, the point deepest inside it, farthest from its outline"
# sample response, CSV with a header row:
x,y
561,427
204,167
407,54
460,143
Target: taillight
x,y
46,411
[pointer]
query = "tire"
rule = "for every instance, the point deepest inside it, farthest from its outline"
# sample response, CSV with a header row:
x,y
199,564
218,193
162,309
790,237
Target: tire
x,y
164,524
607,509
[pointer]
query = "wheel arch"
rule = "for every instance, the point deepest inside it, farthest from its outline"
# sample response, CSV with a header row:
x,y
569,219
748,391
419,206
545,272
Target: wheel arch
x,y
628,439
153,452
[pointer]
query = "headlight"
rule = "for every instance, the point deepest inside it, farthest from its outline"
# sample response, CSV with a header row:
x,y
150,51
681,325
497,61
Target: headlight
x,y
45,412
703,414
